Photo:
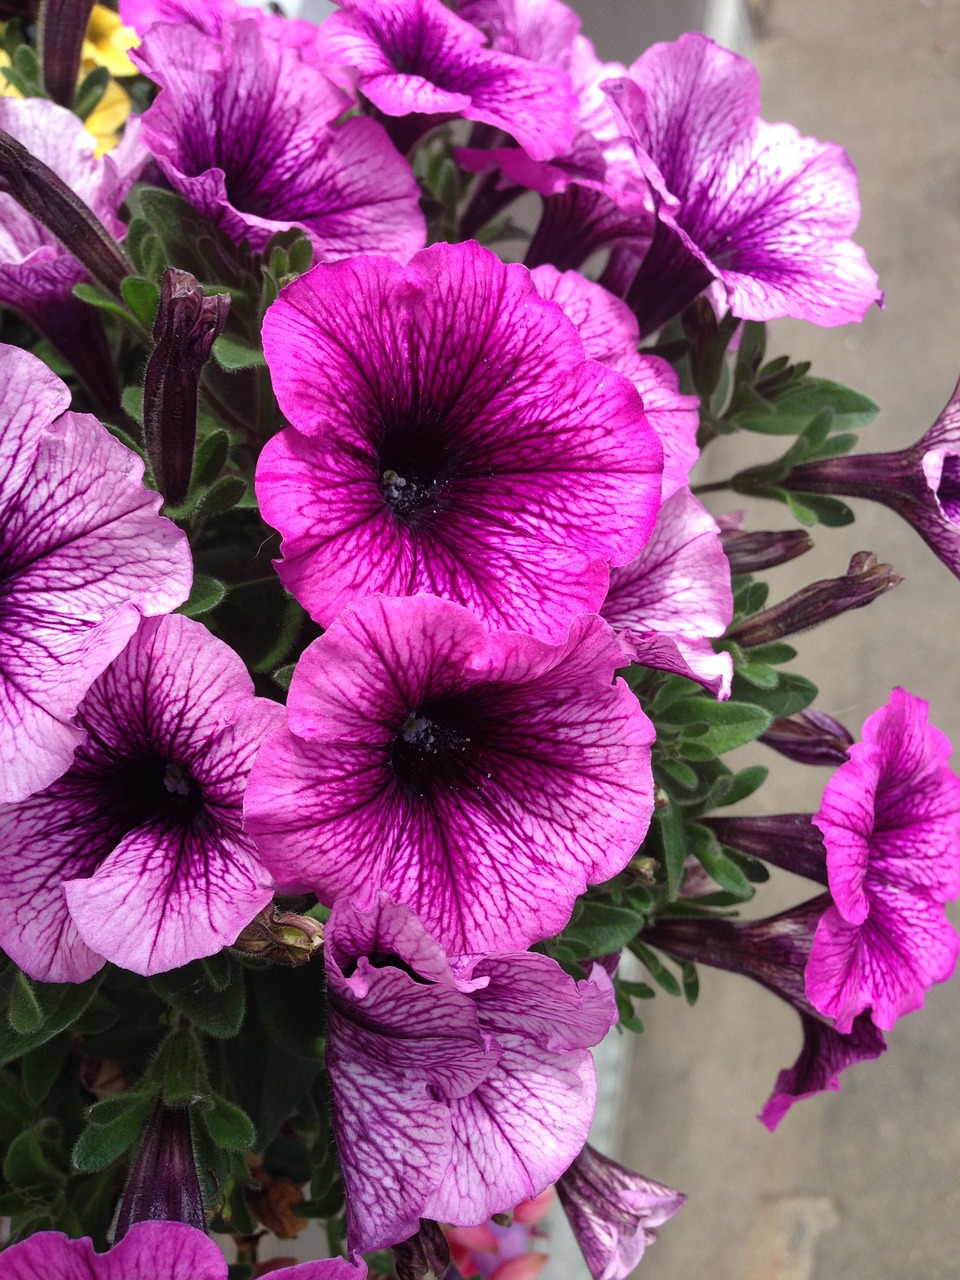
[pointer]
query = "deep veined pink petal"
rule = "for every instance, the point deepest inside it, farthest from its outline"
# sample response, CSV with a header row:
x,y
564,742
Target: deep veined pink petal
x,y
891,814
138,854
885,965
448,436
84,554
541,30
449,1102
417,56
483,779
149,1251
245,130
676,595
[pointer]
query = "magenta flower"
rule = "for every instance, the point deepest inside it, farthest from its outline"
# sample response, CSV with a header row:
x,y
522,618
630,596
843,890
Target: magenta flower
x,y
752,205
890,819
921,483
675,596
149,1251
245,130
415,56
614,1212
483,779
457,1090
37,273
541,30
84,554
609,333
448,437
775,952
216,17
137,854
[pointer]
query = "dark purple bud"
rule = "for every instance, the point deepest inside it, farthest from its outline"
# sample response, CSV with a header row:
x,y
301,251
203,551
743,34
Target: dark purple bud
x,y
613,1212
186,326
864,580
787,840
164,1185
425,1256
61,27
576,224
809,737
754,552
281,936
38,190
921,483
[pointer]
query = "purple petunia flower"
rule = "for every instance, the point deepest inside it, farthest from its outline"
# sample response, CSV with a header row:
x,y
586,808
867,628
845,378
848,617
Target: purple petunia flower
x,y
752,205
675,596
415,56
609,333
483,779
448,436
149,1251
540,30
614,1212
775,952
921,483
216,17
890,819
245,130
37,273
137,854
457,1090
84,554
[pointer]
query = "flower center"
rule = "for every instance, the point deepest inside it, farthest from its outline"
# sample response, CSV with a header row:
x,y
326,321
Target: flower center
x,y
151,788
430,745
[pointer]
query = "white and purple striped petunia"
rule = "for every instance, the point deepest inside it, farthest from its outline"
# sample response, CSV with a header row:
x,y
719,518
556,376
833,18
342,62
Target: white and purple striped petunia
x,y
482,778
149,1251
448,436
458,1090
755,206
137,854
83,554
416,57
246,130
890,819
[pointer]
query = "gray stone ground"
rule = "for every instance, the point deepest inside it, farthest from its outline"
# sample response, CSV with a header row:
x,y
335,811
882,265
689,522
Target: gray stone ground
x,y
865,1184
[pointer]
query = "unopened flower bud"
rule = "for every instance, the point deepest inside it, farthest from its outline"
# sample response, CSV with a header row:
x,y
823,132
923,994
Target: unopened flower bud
x,y
787,840
46,197
61,27
754,552
164,1185
185,329
864,580
425,1256
809,737
281,936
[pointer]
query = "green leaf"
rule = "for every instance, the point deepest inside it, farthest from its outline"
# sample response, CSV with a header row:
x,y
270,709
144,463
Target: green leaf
x,y
791,695
89,293
23,1012
205,594
656,968
142,297
91,91
690,980
27,1164
222,496
828,511
743,784
229,1127
101,1144
132,401
190,992
776,652
61,1004
231,353
183,1073
731,724
706,849
669,825
40,1068
681,773
16,1111
792,411
602,927
23,86
292,1007
283,675
210,458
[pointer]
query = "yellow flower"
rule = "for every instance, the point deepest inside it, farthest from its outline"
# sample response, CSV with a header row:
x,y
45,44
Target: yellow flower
x,y
107,42
108,116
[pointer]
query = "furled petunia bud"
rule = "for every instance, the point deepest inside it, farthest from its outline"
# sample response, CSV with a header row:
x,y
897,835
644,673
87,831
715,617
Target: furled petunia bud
x,y
425,1256
809,737
61,26
754,552
164,1185
185,329
788,840
864,580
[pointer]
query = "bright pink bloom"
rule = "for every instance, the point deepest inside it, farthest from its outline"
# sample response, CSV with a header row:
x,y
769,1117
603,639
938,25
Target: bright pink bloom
x,y
484,779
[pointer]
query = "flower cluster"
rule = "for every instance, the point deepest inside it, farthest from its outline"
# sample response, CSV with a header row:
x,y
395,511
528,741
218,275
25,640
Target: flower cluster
x,y
330,796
